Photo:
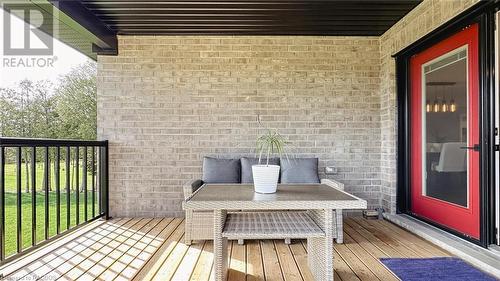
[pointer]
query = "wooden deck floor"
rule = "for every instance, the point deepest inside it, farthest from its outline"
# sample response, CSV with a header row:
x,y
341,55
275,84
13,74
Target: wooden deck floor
x,y
153,249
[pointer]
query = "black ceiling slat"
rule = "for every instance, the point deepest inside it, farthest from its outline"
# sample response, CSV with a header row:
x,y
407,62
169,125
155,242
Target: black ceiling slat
x,y
340,2
135,17
212,9
245,2
270,28
266,17
230,25
230,6
243,13
413,2
259,32
289,20
311,22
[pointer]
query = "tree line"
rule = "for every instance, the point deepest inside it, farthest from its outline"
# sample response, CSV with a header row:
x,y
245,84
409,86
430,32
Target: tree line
x,y
39,109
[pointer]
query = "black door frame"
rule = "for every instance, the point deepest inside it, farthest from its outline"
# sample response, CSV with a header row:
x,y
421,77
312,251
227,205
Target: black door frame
x,y
482,13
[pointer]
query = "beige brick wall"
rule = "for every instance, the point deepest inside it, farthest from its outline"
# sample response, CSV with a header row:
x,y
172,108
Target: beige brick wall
x,y
165,102
426,17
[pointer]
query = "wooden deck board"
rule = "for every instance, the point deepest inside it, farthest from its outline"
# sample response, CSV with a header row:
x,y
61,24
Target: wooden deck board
x,y
396,240
237,263
153,249
272,268
255,267
368,259
203,267
300,256
388,238
287,263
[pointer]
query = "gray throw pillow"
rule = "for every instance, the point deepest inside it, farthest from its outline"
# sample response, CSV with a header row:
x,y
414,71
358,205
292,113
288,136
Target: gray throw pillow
x,y
217,170
299,170
246,167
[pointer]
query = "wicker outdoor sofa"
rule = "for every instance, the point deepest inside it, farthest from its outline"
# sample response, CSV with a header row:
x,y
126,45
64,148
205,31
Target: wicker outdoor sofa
x,y
199,224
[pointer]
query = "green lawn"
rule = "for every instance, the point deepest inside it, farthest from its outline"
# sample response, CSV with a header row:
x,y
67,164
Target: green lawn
x,y
26,208
11,179
26,215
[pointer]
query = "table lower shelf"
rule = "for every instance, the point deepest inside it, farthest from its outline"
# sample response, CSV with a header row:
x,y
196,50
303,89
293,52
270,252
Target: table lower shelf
x,y
270,225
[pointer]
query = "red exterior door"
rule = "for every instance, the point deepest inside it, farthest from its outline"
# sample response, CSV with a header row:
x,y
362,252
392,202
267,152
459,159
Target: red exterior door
x,y
444,110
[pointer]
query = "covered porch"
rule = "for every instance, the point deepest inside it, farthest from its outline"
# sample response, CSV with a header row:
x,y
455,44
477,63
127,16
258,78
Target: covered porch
x,y
178,82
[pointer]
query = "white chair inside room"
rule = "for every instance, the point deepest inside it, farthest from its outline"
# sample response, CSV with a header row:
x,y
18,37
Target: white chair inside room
x,y
453,158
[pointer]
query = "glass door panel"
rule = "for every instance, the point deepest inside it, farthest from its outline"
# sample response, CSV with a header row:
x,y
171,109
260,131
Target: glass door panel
x,y
444,127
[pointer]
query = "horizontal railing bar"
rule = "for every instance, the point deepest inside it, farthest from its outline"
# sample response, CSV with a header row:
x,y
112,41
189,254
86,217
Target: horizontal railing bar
x,y
49,142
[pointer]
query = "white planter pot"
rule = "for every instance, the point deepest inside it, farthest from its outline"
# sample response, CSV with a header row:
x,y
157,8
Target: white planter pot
x,y
265,178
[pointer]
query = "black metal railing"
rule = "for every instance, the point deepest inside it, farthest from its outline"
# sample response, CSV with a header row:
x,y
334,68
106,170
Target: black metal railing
x,y
40,199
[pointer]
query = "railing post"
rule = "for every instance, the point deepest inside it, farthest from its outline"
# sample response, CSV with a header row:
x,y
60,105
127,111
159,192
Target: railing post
x,y
19,160
103,179
2,203
68,192
93,181
33,196
77,183
58,189
46,191
84,182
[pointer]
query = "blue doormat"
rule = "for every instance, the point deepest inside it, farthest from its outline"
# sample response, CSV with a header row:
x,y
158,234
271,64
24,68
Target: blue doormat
x,y
439,269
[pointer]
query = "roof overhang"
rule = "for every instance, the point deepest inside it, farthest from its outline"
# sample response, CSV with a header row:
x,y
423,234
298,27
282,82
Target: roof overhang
x,y
67,21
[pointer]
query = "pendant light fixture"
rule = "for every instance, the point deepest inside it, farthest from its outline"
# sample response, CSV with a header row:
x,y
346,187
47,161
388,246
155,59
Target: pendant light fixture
x,y
441,104
453,106
444,105
435,106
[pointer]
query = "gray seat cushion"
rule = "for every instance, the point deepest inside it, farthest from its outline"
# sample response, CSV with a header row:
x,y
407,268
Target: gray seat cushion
x,y
216,170
299,170
246,167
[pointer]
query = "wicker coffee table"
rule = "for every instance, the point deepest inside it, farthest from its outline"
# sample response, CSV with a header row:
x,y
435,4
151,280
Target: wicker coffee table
x,y
294,211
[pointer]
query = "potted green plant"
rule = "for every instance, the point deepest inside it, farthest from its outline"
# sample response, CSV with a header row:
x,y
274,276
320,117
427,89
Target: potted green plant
x,y
265,176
